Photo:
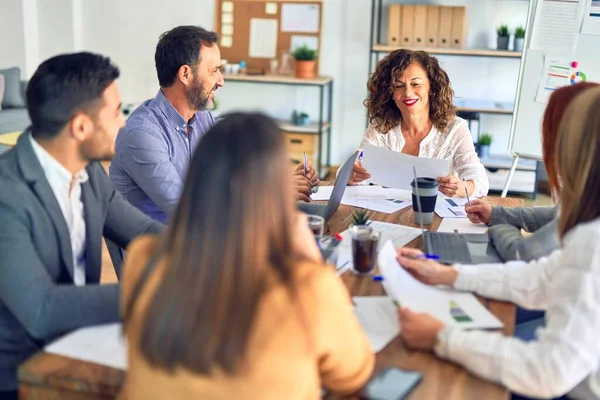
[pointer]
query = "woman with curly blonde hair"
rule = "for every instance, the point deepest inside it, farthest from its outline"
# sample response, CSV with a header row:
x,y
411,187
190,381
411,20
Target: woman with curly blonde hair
x,y
411,111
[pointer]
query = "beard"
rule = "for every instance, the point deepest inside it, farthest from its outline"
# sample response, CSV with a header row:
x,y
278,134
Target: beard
x,y
196,96
95,149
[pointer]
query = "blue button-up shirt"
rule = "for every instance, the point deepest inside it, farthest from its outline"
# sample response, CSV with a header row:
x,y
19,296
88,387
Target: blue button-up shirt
x,y
153,152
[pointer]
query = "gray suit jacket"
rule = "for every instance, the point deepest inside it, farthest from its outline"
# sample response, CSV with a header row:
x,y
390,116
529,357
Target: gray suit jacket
x,y
38,299
505,232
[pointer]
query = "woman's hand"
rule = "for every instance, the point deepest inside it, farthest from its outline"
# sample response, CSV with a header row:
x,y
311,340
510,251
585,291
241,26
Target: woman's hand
x,y
358,174
302,188
304,241
419,331
450,185
479,211
427,271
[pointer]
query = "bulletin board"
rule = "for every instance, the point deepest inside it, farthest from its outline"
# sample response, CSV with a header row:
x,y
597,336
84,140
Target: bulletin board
x,y
258,31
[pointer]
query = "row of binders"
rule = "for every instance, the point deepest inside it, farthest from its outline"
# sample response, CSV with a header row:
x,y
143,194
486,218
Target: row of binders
x,y
427,26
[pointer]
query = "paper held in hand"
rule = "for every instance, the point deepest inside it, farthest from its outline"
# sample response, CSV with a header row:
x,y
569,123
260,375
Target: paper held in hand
x,y
449,306
392,169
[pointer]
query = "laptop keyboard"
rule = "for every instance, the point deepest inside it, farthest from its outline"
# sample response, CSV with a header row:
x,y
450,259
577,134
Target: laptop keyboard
x,y
312,209
449,246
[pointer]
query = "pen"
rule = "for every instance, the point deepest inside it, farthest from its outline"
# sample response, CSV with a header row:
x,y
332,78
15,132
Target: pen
x,y
360,156
426,256
467,192
304,160
378,278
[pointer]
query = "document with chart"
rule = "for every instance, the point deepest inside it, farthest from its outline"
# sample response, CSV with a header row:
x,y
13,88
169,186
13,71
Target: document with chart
x,y
449,306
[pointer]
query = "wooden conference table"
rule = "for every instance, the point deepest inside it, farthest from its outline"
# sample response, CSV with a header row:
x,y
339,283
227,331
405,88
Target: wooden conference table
x,y
48,376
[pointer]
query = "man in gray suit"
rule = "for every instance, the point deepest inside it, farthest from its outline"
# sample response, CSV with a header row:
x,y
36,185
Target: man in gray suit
x,y
56,203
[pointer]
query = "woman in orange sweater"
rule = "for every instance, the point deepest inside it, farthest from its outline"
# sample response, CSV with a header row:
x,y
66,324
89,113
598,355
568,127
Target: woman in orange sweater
x,y
234,301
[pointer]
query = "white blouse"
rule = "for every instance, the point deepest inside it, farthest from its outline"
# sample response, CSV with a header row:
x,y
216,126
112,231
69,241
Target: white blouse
x,y
565,357
456,144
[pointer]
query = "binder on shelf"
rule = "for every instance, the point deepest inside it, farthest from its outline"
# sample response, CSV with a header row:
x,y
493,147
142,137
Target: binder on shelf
x,y
459,27
445,30
433,25
420,25
406,27
394,25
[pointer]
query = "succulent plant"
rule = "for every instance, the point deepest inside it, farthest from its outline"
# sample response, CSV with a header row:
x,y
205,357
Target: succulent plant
x,y
360,217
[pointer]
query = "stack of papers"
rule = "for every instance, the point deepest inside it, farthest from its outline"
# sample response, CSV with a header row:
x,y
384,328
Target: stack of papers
x,y
447,207
397,235
378,317
102,344
376,198
449,306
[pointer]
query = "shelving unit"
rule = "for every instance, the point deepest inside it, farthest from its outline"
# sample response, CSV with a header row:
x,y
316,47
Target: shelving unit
x,y
303,138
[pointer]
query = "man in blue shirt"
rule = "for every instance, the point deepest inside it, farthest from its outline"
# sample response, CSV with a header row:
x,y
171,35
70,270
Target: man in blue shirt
x,y
154,149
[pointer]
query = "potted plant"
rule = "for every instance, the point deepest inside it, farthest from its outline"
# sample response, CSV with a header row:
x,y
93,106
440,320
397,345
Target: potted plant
x,y
360,217
519,38
503,37
305,62
484,142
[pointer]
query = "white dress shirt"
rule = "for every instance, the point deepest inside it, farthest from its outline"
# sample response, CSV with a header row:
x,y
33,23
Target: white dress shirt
x,y
67,190
455,144
565,357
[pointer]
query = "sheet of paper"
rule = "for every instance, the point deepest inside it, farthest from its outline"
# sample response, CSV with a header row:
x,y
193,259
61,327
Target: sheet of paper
x,y
226,18
388,206
392,169
227,6
301,18
263,38
591,18
556,25
311,41
271,8
397,194
448,305
226,41
556,73
450,207
379,319
227,29
398,235
461,225
102,344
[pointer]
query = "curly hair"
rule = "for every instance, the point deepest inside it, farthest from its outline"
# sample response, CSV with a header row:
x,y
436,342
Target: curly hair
x,y
383,113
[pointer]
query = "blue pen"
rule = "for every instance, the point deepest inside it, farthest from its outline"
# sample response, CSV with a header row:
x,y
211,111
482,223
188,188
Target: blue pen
x,y
360,157
378,278
304,160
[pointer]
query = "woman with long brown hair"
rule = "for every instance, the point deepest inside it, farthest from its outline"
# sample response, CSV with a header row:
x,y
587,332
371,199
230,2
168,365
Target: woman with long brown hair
x,y
411,110
234,301
564,357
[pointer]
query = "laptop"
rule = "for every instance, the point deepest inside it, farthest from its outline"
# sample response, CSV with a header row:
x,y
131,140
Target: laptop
x,y
327,210
463,248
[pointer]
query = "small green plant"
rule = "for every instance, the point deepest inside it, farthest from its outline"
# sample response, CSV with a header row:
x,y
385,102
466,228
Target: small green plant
x,y
360,217
304,53
503,30
485,139
519,32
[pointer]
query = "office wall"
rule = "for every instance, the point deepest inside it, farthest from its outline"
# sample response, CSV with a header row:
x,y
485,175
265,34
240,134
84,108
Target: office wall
x,y
12,39
128,32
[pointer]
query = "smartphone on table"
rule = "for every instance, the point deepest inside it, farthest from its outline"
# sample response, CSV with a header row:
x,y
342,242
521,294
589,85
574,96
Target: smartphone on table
x,y
392,383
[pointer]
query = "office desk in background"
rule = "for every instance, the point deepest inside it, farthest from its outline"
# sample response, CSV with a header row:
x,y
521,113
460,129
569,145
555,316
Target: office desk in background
x,y
48,376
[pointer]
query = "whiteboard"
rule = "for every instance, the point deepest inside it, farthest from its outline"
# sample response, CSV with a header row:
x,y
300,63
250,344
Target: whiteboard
x,y
526,126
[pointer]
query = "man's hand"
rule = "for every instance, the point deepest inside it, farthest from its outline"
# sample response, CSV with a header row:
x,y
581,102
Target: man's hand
x,y
303,188
358,174
479,211
311,174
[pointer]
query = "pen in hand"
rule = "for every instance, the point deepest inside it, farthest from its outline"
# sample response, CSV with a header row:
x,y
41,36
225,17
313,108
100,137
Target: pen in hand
x,y
304,160
467,192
